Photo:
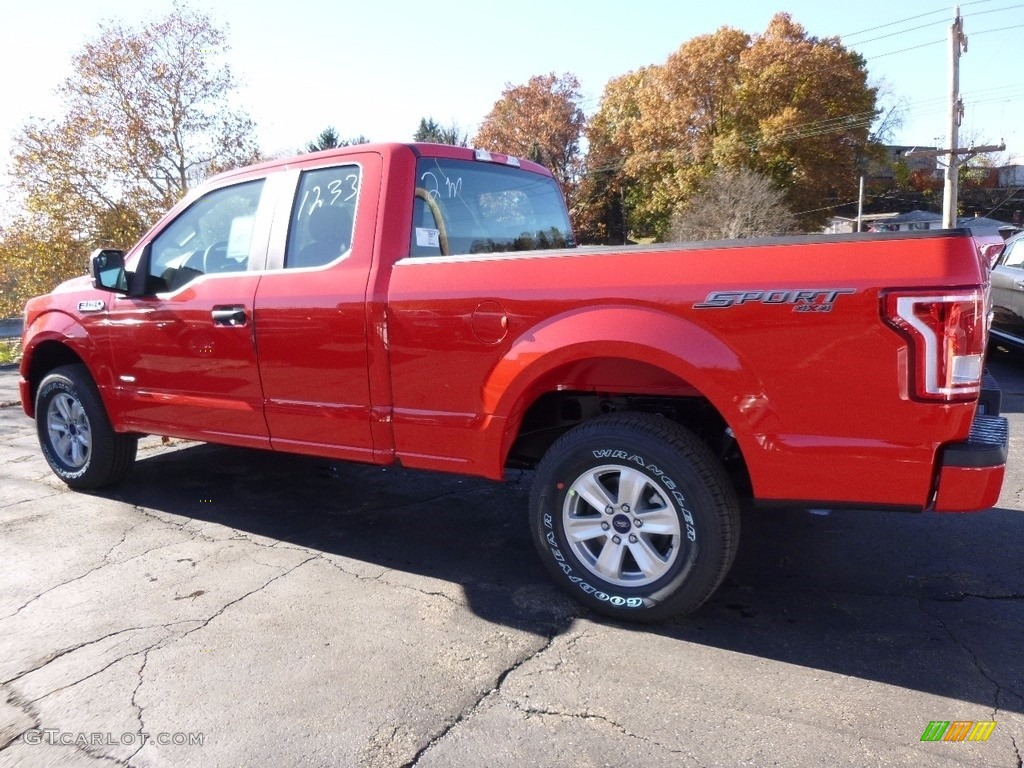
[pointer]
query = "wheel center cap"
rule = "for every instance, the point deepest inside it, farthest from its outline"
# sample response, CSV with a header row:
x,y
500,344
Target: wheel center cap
x,y
621,523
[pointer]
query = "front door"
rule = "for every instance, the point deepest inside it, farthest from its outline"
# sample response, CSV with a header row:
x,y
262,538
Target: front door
x,y
185,352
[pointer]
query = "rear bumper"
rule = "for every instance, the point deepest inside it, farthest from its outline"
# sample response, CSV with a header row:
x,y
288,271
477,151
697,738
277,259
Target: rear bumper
x,y
971,472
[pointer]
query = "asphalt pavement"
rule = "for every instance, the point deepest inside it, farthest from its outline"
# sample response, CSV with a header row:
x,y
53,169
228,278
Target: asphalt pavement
x,y
225,607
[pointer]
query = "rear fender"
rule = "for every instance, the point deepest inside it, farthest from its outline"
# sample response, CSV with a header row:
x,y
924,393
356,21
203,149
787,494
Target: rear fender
x,y
549,357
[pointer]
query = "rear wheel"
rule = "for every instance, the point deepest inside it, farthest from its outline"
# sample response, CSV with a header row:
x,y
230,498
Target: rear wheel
x,y
75,434
634,517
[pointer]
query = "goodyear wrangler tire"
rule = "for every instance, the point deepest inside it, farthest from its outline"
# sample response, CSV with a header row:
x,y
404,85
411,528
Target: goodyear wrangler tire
x,y
634,517
75,434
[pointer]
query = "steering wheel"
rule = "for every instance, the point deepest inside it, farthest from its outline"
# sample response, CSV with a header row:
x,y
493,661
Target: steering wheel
x,y
215,259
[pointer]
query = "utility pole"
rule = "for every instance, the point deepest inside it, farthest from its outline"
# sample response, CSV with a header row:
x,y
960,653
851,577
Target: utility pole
x,y
951,189
955,156
860,207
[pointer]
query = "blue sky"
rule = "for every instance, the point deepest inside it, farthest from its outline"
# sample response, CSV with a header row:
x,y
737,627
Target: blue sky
x,y
375,68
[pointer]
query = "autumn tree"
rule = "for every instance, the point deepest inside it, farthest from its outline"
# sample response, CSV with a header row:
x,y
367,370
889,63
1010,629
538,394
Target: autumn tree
x,y
540,120
599,210
430,131
33,260
329,139
806,113
733,203
146,117
795,108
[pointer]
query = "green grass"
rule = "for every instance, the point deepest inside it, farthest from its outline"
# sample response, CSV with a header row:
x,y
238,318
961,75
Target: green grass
x,y
10,350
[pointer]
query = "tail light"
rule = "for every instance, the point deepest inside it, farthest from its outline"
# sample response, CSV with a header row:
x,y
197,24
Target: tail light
x,y
947,333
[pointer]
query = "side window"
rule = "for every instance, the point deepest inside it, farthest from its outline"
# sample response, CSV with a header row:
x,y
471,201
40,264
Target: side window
x,y
1013,255
212,236
466,207
323,216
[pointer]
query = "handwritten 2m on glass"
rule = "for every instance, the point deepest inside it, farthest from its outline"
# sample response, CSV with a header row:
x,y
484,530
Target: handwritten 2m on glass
x,y
958,730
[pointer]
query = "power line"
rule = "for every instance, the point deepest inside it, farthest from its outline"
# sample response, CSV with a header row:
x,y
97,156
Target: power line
x,y
942,41
998,29
993,10
937,23
901,32
1009,196
830,207
903,50
944,9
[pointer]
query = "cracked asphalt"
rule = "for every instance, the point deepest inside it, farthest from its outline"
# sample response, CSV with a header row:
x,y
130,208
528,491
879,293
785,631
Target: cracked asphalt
x,y
225,607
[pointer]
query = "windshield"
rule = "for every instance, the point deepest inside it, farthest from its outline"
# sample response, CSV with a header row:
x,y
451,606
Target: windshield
x,y
464,207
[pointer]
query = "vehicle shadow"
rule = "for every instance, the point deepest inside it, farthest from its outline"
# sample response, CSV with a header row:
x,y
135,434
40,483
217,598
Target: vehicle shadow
x,y
933,603
467,531
1006,363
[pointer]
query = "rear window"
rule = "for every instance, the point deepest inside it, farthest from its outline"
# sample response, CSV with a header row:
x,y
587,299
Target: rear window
x,y
465,207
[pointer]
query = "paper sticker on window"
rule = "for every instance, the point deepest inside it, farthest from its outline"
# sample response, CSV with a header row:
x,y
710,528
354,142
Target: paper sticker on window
x,y
240,237
428,238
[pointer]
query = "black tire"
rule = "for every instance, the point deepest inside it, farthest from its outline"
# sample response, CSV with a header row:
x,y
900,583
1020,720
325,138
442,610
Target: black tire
x,y
605,558
75,434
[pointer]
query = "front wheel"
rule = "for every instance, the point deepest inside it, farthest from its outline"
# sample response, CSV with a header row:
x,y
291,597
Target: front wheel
x,y
634,517
75,434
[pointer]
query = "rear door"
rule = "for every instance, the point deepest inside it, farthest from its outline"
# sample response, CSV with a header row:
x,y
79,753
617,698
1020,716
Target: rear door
x,y
311,320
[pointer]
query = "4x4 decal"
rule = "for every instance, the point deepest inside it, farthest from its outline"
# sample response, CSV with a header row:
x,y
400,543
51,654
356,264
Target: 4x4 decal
x,y
802,300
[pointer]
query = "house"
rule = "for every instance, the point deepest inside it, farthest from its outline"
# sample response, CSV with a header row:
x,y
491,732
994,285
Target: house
x,y
909,221
921,220
896,156
1011,176
838,225
912,221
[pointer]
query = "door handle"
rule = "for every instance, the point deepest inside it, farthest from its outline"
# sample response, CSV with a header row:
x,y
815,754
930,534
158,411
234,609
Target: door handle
x,y
229,316
1018,283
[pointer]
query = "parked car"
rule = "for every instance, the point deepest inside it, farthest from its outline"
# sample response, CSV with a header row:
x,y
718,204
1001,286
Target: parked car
x,y
1008,293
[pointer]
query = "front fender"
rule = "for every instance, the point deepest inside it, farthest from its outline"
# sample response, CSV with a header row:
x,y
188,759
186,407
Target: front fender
x,y
700,362
54,338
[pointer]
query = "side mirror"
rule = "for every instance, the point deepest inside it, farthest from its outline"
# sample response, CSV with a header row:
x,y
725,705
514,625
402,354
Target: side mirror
x,y
106,265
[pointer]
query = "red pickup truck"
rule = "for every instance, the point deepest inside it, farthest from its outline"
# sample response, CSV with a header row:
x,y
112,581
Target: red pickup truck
x,y
426,306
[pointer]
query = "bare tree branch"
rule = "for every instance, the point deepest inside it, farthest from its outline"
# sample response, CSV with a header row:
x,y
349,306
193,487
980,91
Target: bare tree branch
x,y
734,204
146,118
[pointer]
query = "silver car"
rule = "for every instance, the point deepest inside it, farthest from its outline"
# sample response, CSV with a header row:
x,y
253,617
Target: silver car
x,y
1008,293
